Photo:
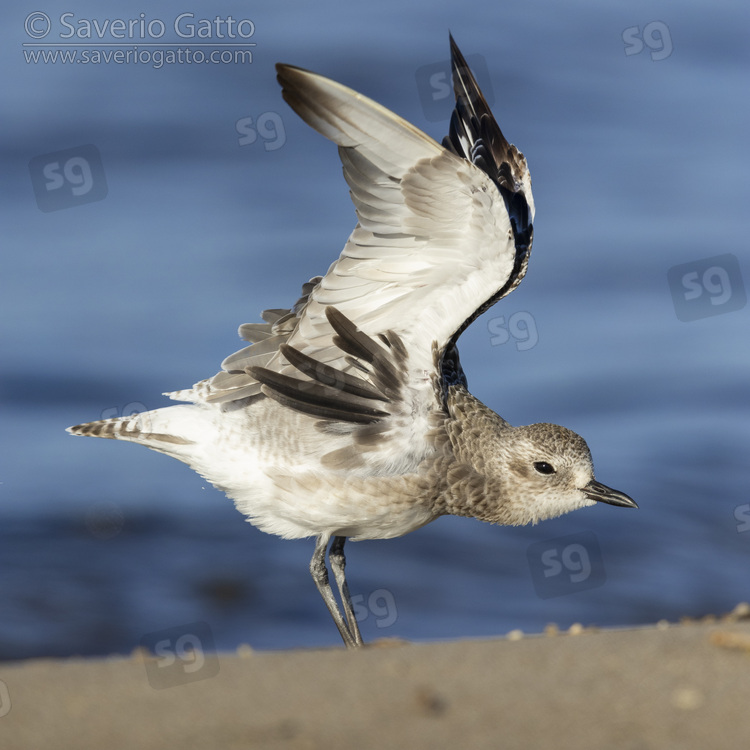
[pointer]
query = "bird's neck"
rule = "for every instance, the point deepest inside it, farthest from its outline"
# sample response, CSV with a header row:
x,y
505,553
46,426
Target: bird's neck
x,y
471,429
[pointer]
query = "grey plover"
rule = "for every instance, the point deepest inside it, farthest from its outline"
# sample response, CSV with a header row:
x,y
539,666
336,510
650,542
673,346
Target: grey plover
x,y
349,416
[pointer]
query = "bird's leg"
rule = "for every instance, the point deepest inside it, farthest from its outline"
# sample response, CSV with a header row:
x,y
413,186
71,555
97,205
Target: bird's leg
x,y
338,563
320,576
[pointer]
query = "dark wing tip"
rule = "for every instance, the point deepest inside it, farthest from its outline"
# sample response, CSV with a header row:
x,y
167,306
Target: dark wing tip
x,y
472,122
286,72
290,78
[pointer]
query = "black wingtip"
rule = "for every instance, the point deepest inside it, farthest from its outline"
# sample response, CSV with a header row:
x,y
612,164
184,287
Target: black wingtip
x,y
463,77
290,77
457,58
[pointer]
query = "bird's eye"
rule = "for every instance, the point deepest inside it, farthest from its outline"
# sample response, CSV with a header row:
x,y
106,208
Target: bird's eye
x,y
543,467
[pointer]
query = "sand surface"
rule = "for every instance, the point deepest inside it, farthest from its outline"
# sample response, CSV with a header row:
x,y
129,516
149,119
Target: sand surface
x,y
677,686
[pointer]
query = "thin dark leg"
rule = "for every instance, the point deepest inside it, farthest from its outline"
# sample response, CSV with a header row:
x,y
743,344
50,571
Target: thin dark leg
x,y
320,576
338,563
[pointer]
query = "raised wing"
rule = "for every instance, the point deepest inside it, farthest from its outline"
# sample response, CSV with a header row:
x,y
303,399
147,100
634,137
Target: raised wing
x,y
435,239
442,233
475,135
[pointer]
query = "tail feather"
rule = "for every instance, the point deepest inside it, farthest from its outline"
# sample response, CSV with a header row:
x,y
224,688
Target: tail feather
x,y
124,428
198,435
163,430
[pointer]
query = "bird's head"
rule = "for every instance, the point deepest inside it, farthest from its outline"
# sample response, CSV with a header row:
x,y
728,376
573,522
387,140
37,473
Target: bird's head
x,y
545,470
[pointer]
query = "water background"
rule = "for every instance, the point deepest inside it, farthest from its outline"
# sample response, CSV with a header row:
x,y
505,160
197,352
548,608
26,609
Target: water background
x,y
639,164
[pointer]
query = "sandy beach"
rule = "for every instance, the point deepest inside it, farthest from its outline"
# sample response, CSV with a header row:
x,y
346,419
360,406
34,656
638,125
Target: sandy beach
x,y
668,686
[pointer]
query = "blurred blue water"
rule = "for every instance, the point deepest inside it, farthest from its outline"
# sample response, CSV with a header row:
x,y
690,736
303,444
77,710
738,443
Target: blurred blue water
x,y
638,164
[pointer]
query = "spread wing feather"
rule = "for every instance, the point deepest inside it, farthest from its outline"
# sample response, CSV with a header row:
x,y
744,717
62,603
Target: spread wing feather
x,y
443,232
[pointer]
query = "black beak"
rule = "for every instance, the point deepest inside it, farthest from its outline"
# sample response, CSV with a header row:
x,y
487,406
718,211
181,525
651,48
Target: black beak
x,y
602,494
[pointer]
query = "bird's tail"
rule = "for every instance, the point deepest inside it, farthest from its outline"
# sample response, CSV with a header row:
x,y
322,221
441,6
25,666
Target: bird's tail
x,y
173,430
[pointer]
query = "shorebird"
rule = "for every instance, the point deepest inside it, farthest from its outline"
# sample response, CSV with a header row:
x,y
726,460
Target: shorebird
x,y
349,415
